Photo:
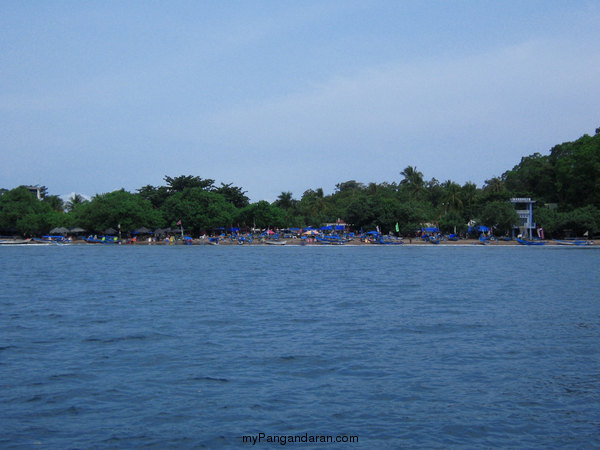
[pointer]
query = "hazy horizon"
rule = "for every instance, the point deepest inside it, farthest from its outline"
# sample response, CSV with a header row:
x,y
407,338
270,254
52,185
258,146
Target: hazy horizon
x,y
276,96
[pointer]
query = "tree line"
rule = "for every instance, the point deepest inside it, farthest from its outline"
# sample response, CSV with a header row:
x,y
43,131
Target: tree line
x,y
565,185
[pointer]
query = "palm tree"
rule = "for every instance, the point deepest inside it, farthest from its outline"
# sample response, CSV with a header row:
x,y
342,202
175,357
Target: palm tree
x,y
494,185
413,180
285,200
74,201
469,193
451,196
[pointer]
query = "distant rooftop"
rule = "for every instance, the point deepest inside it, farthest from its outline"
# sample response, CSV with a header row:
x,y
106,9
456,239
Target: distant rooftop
x,y
36,190
521,200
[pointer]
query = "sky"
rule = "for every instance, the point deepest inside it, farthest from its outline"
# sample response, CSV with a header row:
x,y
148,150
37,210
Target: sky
x,y
277,96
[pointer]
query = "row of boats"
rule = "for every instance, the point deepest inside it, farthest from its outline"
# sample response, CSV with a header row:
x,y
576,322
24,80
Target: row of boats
x,y
571,242
323,239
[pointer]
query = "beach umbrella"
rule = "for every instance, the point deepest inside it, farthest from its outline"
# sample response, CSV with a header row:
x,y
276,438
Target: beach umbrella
x,y
77,230
59,230
143,230
311,232
110,231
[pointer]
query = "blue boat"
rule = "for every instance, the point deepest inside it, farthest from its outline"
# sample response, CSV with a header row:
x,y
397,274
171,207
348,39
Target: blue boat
x,y
380,239
102,240
578,243
332,240
530,242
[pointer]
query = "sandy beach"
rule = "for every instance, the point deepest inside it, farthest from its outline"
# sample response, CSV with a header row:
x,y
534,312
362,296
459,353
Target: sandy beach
x,y
282,242
298,242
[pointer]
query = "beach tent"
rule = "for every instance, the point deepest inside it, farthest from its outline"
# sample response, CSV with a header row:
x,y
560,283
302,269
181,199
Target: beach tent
x,y
327,228
339,227
430,229
480,228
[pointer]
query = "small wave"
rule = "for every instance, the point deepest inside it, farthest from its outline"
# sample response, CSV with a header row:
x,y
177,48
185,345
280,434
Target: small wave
x,y
63,376
129,337
218,380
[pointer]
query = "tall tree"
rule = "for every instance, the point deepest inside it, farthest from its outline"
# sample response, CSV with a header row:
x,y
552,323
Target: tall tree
x,y
262,215
199,210
413,181
119,207
451,196
155,195
74,201
501,215
233,195
178,184
21,212
285,200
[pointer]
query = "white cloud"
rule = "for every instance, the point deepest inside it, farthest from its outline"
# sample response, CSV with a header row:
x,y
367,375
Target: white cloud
x,y
493,99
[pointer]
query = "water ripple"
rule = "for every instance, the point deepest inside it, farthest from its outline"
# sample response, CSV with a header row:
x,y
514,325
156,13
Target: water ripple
x,y
196,347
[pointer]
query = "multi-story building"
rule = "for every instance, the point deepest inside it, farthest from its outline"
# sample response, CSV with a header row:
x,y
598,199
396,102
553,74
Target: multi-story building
x,y
524,207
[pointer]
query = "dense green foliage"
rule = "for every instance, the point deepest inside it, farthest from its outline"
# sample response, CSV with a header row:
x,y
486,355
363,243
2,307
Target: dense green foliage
x,y
568,180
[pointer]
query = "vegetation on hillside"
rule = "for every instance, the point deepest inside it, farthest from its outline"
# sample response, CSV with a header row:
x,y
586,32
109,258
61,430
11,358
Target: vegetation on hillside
x,y
565,185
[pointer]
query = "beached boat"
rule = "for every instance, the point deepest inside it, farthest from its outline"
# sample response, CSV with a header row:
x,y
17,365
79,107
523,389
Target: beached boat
x,y
106,240
530,242
332,240
15,241
275,242
388,242
578,243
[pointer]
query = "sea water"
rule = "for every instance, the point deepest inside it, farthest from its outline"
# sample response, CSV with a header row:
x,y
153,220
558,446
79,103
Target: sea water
x,y
372,347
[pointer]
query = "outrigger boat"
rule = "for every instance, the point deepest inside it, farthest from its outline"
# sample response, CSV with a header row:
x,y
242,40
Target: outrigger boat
x,y
529,242
578,243
332,240
15,241
103,240
275,242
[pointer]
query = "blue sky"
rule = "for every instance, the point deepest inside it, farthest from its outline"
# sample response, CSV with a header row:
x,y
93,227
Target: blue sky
x,y
280,96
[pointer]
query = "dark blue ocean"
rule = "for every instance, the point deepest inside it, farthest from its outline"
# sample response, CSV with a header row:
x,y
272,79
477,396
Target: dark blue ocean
x,y
399,347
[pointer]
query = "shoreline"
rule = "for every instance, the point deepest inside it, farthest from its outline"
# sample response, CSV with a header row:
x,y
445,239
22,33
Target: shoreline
x,y
295,243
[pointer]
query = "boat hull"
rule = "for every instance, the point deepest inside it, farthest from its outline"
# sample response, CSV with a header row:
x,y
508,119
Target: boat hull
x,y
573,243
526,242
